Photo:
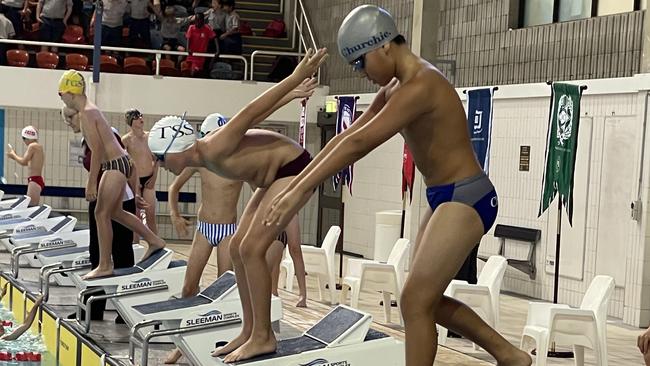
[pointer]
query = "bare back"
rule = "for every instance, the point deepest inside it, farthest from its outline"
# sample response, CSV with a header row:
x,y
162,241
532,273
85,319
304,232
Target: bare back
x,y
98,133
219,198
439,139
256,159
138,149
35,165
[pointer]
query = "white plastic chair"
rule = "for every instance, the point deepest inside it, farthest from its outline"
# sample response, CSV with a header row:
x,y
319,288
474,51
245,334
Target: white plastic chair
x,y
319,262
387,278
584,327
483,297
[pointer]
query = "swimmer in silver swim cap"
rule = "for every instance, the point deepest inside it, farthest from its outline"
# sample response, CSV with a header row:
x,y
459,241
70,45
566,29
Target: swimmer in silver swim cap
x,y
366,29
417,102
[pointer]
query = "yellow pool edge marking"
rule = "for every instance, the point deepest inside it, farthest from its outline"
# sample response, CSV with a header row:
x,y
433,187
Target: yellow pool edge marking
x,y
89,357
17,304
68,347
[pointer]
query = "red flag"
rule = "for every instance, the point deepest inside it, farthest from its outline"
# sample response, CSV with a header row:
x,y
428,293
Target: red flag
x,y
408,173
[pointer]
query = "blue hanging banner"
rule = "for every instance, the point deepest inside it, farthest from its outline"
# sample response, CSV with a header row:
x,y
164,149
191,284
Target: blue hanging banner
x,y
479,121
347,107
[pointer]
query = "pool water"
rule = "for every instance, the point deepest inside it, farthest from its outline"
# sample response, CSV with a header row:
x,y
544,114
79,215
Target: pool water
x,y
27,342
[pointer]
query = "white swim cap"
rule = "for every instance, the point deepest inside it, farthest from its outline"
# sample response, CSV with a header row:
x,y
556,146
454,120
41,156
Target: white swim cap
x,y
171,134
212,122
29,133
366,28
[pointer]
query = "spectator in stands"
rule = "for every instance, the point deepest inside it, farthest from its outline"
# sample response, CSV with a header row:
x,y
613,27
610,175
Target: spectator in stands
x,y
200,5
15,10
6,32
230,40
53,16
87,11
170,28
216,18
139,24
198,35
112,22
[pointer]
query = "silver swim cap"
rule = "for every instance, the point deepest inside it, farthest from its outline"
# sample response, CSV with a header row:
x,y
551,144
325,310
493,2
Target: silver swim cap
x,y
366,28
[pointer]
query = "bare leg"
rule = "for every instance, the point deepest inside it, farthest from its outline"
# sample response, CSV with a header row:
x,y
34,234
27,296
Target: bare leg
x,y
34,193
199,255
254,246
135,224
224,263
293,236
449,236
646,358
111,185
241,275
273,259
149,195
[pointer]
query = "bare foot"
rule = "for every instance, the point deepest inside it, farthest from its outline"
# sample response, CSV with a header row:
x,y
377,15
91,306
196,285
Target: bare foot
x,y
173,356
232,345
252,348
302,302
97,272
519,358
152,247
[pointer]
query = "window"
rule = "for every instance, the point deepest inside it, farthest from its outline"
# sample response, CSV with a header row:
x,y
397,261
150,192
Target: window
x,y
536,12
575,9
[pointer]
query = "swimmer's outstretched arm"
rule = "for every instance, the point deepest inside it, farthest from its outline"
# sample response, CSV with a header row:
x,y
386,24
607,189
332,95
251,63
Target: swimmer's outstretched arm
x,y
26,324
22,160
304,90
227,138
4,290
377,104
404,106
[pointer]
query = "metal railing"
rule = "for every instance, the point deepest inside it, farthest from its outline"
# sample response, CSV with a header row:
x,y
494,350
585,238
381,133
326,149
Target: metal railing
x,y
300,21
305,40
158,53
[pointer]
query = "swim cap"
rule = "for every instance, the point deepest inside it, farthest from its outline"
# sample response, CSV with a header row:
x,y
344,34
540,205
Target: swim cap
x,y
171,134
132,114
211,123
366,28
29,133
72,82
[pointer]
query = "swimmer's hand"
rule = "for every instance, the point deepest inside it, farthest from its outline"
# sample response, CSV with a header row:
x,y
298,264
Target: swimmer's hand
x,y
39,300
91,191
4,290
305,89
140,202
284,206
11,154
310,63
180,224
68,113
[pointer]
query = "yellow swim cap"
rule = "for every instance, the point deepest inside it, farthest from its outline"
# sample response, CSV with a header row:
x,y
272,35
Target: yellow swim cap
x,y
72,82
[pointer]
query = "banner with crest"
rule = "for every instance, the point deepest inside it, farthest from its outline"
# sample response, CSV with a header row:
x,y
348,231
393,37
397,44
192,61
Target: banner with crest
x,y
561,148
479,121
346,111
